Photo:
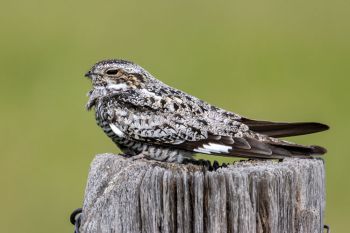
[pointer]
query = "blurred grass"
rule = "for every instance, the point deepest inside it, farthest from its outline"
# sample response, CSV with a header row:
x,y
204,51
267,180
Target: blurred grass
x,y
283,61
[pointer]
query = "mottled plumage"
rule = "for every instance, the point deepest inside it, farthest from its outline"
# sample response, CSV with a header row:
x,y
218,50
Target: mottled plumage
x,y
144,116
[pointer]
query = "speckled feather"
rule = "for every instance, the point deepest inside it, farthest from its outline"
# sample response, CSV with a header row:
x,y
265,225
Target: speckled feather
x,y
144,116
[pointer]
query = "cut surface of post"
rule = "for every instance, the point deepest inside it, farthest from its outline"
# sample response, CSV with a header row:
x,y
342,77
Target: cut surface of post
x,y
125,196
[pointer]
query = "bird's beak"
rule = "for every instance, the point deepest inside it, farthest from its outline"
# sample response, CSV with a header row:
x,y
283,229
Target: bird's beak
x,y
88,74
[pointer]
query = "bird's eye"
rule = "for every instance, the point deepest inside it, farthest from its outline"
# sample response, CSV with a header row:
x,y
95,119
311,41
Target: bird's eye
x,y
112,71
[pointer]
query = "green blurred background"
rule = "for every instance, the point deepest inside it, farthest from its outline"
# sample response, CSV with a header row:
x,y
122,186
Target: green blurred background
x,y
273,60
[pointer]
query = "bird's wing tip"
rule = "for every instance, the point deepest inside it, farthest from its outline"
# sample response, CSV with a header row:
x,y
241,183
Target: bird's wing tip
x,y
318,150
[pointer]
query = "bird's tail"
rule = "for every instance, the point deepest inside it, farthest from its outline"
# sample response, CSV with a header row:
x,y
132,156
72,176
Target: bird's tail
x,y
276,149
296,150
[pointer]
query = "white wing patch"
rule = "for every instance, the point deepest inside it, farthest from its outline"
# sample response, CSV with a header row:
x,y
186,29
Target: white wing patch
x,y
201,150
213,148
116,130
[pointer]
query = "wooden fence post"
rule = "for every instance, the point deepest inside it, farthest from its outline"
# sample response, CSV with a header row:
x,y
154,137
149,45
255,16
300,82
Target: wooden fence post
x,y
125,196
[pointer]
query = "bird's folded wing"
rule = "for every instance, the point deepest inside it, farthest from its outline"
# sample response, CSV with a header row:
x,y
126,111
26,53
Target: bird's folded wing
x,y
186,132
281,129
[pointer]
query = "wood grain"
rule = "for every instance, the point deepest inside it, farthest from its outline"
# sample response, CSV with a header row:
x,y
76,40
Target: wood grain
x,y
125,196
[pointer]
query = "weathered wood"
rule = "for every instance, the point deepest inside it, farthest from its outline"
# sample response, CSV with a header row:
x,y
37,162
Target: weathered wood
x,y
125,196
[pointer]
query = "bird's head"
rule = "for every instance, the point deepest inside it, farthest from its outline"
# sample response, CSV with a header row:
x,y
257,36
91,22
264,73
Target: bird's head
x,y
117,75
110,77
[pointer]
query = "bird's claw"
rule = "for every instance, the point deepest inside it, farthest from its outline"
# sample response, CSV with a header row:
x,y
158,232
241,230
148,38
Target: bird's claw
x,y
206,163
126,155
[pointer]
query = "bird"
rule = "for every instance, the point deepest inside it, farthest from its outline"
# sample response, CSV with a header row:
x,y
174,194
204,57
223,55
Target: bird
x,y
148,119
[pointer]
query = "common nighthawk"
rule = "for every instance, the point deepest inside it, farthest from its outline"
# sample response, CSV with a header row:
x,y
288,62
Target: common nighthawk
x,y
144,116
